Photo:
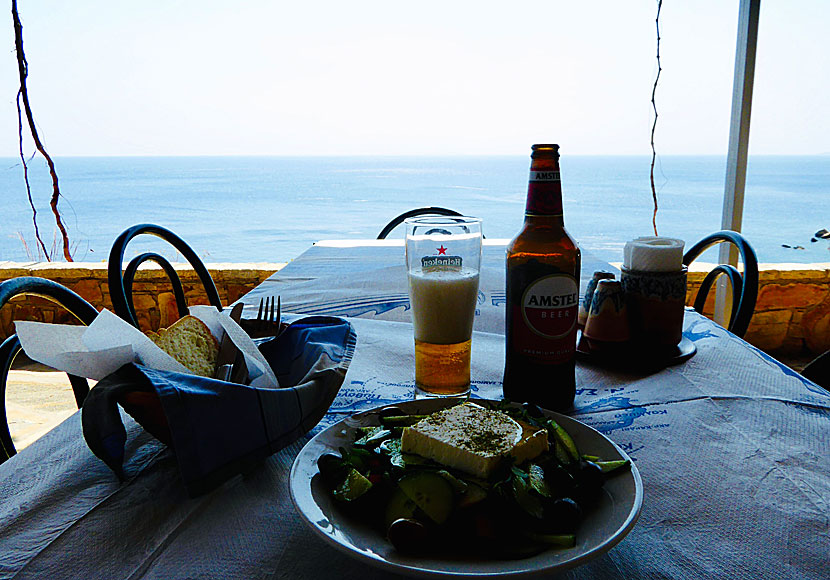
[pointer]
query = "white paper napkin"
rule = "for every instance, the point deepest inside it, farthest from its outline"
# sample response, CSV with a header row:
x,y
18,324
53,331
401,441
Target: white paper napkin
x,y
653,254
108,343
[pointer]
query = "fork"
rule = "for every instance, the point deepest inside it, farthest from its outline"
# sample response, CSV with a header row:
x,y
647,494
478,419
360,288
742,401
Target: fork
x,y
267,316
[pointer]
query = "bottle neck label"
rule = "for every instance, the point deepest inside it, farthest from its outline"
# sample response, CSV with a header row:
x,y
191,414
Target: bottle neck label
x,y
544,194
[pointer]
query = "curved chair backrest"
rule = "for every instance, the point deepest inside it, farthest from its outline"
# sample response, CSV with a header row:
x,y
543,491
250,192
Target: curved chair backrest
x,y
129,276
412,213
77,306
744,288
120,285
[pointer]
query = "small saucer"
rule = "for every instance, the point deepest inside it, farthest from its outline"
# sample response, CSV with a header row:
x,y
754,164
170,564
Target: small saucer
x,y
634,355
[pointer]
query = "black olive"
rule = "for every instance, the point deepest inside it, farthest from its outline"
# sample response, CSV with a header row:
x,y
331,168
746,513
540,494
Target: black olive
x,y
589,475
408,536
391,412
565,514
589,480
332,468
558,479
533,410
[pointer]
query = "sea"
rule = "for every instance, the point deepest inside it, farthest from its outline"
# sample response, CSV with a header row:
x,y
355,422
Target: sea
x,y
271,209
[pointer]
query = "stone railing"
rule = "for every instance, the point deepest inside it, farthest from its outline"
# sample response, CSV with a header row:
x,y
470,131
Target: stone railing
x,y
152,292
792,315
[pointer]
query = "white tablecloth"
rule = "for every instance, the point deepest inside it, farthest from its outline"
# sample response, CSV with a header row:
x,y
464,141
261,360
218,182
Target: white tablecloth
x,y
731,446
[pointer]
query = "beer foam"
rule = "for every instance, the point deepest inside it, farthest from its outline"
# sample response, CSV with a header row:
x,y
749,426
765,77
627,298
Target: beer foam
x,y
443,304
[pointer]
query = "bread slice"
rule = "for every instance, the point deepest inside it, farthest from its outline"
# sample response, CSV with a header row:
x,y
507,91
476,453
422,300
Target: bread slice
x,y
190,342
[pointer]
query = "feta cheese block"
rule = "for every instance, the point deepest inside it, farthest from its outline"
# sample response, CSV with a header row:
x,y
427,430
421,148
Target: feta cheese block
x,y
472,439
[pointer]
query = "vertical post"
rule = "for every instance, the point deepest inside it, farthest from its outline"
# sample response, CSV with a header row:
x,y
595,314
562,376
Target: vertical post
x,y
733,196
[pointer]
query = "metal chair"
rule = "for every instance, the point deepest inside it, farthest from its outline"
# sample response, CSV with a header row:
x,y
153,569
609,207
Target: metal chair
x,y
412,213
175,281
744,286
120,284
818,370
77,306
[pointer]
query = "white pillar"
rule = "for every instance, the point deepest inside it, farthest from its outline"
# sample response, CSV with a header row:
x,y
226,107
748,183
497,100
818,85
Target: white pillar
x,y
733,195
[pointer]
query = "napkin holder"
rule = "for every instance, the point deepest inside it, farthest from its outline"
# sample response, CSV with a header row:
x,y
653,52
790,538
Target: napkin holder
x,y
654,282
218,429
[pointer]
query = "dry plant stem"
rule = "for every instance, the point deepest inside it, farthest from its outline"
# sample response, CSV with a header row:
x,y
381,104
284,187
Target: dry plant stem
x,y
23,95
654,125
26,181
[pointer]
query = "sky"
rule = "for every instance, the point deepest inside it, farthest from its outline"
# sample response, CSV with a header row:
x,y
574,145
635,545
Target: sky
x,y
446,77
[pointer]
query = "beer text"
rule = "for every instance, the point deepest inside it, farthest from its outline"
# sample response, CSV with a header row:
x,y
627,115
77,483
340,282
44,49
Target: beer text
x,y
560,301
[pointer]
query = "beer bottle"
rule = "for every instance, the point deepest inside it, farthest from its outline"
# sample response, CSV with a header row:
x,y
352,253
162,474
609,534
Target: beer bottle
x,y
543,263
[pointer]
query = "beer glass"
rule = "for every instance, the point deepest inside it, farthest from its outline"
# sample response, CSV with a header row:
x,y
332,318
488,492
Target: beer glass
x,y
443,259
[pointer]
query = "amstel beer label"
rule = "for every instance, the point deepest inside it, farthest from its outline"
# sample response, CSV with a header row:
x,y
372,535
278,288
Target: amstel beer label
x,y
544,193
550,305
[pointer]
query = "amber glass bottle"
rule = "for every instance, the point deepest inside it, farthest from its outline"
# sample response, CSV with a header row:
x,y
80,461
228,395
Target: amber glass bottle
x,y
543,263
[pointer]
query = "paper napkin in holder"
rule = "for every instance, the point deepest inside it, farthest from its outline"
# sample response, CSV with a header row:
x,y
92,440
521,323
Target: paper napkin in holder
x,y
653,254
654,282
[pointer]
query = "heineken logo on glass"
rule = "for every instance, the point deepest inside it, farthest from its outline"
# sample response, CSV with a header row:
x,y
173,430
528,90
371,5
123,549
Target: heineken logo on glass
x,y
444,261
550,304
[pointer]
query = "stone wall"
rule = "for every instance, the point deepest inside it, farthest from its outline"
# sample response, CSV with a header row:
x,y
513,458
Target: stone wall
x,y
792,315
152,293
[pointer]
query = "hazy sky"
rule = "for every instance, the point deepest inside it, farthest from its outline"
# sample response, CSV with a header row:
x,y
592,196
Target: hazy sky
x,y
196,77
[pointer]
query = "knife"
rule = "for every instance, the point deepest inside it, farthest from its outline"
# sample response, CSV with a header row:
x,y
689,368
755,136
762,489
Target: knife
x,y
227,350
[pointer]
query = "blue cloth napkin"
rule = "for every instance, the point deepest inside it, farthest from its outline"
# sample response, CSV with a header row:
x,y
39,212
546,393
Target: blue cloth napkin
x,y
215,428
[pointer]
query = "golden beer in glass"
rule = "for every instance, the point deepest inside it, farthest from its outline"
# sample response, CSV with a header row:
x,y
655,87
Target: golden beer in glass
x,y
443,261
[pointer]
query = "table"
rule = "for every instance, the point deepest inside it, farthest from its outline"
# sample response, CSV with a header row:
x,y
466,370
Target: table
x,y
731,446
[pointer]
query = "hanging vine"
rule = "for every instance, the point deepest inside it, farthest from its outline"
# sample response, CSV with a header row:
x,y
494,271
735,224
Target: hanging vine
x,y
654,124
23,99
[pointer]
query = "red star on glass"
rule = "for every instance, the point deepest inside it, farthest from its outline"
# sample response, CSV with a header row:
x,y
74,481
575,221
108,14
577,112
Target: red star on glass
x,y
442,250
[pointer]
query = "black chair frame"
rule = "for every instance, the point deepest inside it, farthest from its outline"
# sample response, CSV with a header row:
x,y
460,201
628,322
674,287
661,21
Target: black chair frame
x,y
412,213
10,348
120,285
175,281
744,288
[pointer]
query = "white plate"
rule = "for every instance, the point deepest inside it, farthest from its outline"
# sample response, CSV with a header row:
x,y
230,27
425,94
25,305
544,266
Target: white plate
x,y
603,527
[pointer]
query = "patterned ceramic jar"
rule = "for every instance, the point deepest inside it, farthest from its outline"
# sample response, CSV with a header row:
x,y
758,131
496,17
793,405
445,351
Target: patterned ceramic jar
x,y
585,305
608,318
656,302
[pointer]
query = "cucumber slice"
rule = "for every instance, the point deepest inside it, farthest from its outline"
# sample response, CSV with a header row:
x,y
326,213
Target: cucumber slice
x,y
352,487
612,467
430,492
472,495
457,485
563,440
557,540
400,420
399,507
